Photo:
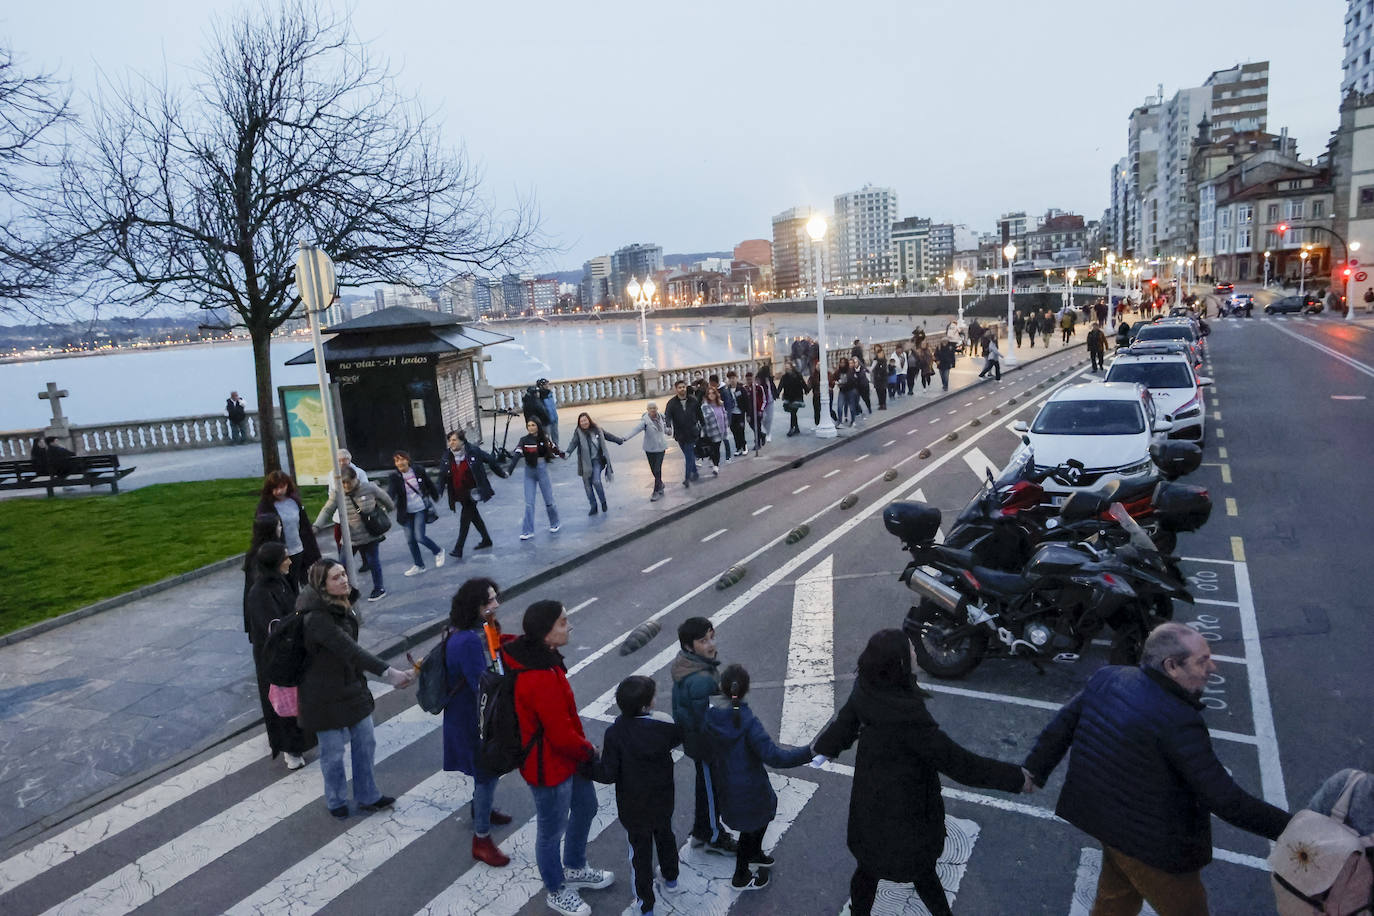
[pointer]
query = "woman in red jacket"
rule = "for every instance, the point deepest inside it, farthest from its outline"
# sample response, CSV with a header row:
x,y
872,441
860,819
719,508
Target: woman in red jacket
x,y
560,755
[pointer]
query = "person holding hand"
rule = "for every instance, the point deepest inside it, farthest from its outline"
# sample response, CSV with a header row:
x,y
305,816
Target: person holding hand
x,y
896,814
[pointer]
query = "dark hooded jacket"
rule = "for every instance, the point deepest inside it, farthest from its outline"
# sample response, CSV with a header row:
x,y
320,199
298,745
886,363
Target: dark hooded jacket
x,y
896,814
695,681
740,749
333,693
637,757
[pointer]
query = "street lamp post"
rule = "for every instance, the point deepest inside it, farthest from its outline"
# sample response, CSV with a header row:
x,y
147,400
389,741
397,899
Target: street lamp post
x,y
960,276
826,428
642,294
1349,300
1111,307
1010,253
1302,277
1070,277
1266,270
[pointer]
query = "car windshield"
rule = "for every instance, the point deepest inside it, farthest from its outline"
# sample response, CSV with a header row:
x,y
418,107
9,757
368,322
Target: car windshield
x,y
1152,375
1089,418
1166,332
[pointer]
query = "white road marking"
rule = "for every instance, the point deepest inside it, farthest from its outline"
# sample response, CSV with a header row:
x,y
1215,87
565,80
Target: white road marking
x,y
1347,397
828,474
952,412
1085,884
861,457
762,509
891,442
933,422
587,603
1216,601
1334,354
715,534
979,463
1261,713
912,432
805,486
901,899
808,691
649,569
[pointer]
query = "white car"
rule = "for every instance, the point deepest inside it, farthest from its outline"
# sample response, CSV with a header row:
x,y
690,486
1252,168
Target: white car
x,y
1099,431
1175,389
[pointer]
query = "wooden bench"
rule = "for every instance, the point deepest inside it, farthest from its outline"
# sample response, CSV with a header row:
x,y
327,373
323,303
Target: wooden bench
x,y
88,470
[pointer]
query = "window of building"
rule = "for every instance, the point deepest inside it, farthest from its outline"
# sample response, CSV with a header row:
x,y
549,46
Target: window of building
x,y
1318,209
1271,212
1243,239
1295,209
1244,214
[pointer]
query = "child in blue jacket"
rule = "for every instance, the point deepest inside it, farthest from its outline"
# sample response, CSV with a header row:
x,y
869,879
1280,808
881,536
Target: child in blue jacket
x,y
741,748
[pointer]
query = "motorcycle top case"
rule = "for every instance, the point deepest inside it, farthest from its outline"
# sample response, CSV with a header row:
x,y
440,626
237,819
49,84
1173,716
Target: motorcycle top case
x,y
1176,458
1054,559
911,521
1180,507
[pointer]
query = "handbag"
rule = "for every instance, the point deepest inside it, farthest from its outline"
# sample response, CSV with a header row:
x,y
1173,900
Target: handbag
x,y
431,513
792,406
285,700
375,520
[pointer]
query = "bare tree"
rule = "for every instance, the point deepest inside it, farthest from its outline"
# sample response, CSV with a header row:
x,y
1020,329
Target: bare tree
x,y
292,132
32,110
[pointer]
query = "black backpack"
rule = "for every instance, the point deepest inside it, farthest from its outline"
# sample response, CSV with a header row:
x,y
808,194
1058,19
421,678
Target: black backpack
x,y
500,749
283,654
432,691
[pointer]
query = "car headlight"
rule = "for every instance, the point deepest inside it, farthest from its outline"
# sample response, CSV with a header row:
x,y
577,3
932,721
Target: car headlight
x,y
1140,467
1188,414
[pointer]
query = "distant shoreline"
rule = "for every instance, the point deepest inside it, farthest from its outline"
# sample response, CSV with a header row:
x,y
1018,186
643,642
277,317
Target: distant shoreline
x,y
169,345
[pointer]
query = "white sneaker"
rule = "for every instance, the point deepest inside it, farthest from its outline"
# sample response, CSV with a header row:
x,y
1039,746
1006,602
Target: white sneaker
x,y
715,471
294,761
415,570
438,559
553,529
587,876
568,902
526,537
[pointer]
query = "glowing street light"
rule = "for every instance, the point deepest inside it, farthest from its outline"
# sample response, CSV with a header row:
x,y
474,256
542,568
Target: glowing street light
x,y
642,294
959,277
1009,253
1111,308
1302,277
1266,269
815,228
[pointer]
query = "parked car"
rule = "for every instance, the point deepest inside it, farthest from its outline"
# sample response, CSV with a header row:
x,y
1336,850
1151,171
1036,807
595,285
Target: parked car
x,y
1171,330
1224,288
1173,385
1305,304
1104,428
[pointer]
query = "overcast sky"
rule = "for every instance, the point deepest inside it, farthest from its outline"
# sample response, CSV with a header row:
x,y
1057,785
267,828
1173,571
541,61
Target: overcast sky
x,y
692,124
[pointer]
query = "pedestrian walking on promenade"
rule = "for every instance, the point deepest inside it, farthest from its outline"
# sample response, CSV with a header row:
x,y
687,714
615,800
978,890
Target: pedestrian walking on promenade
x,y
793,390
846,386
765,380
335,703
637,758
1097,346
655,430
879,373
473,606
728,399
237,412
897,371
813,384
992,359
923,363
896,815
1143,779
593,459
1066,324
683,415
1018,325
946,355
864,387
414,495
715,428
559,760
758,404
535,450
273,597
694,683
280,497
463,476
740,749
733,396
359,498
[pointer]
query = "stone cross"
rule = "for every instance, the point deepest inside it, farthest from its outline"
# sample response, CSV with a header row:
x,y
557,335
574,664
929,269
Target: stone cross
x,y
54,396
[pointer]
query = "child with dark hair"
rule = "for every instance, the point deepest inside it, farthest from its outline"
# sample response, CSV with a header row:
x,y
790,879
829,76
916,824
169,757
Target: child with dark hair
x,y
741,750
694,683
637,759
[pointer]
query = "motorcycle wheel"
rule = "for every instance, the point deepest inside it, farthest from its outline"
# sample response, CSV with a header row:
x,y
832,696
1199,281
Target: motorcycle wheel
x,y
926,628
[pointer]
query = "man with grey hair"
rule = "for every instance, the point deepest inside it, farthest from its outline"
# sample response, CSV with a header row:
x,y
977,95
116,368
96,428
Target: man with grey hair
x,y
1143,779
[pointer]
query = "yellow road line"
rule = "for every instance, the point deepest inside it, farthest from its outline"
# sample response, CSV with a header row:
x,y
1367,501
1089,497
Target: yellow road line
x,y
1225,473
1221,434
1237,550
1216,415
1221,451
1231,506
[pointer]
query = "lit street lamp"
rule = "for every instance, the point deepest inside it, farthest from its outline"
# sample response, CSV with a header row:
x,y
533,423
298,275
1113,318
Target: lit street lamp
x,y
1266,270
1009,253
959,277
1111,308
1302,277
642,295
1349,301
815,228
1071,276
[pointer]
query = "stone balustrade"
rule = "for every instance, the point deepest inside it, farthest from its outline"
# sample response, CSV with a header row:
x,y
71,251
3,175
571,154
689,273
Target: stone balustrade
x,y
134,437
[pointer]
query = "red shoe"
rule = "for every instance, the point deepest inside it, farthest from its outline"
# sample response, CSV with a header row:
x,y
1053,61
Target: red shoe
x,y
500,818
484,850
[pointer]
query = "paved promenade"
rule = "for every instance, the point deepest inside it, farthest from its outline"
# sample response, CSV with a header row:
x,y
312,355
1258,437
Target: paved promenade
x,y
94,706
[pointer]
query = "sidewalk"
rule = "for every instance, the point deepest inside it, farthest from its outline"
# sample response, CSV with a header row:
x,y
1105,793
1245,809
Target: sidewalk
x,y
91,707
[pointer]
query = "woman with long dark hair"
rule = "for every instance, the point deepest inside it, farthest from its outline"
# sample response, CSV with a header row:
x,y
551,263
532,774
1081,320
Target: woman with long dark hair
x,y
593,460
273,597
896,815
535,450
266,529
280,497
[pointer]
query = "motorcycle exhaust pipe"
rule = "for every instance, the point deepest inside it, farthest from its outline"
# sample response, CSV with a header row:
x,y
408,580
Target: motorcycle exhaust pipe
x,y
927,586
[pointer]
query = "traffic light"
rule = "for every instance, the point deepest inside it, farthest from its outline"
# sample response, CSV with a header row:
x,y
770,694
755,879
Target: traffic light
x,y
1347,273
1282,228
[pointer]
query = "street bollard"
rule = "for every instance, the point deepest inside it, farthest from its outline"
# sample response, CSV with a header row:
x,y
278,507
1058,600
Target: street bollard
x,y
639,636
797,533
890,474
730,577
849,501
953,437
975,422
923,453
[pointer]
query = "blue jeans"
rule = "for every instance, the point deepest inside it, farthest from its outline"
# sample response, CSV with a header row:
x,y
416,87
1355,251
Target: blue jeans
x,y
415,536
363,744
483,797
593,485
372,553
538,476
689,455
562,813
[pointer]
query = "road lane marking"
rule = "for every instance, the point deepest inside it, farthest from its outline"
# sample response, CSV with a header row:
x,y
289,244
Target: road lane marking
x,y
1221,433
1216,415
662,562
1226,473
1261,712
803,487
830,473
861,457
1238,549
808,697
1221,452
1216,601
1231,506
761,510
979,463
715,534
1347,397
952,412
933,422
1335,354
574,610
891,442
912,432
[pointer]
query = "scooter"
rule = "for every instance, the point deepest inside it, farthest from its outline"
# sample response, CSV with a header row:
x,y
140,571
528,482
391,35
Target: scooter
x,y
499,452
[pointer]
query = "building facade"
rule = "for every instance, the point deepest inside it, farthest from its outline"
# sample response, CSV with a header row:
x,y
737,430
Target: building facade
x,y
792,259
633,262
861,236
1357,66
595,288
758,252
910,243
1352,168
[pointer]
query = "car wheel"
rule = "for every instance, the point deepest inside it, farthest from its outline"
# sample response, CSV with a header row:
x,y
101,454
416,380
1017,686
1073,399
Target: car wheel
x,y
1268,310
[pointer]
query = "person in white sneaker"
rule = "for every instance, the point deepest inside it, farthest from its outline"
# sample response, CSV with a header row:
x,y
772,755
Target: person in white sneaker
x,y
414,495
559,761
273,597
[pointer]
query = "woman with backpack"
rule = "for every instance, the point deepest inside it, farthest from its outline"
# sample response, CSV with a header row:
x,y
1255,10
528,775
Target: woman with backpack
x,y
361,498
335,703
273,597
466,654
593,458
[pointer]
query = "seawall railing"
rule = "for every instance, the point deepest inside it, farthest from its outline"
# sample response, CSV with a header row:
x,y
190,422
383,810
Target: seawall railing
x,y
135,437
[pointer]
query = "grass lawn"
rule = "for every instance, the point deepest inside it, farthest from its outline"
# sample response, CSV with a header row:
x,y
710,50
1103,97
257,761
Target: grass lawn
x,y
62,554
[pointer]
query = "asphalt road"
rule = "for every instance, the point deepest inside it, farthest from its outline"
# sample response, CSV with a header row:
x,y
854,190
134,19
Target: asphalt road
x,y
229,832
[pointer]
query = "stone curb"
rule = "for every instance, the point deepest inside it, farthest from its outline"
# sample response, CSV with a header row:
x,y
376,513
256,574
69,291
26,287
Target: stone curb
x,y
414,636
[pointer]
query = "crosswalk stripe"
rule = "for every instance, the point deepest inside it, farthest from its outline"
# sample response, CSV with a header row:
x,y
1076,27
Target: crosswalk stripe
x,y
100,827
808,697
154,872
1085,884
321,877
979,463
902,900
703,884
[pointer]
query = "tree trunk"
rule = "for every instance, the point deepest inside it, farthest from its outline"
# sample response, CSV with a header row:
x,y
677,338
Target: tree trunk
x,y
267,398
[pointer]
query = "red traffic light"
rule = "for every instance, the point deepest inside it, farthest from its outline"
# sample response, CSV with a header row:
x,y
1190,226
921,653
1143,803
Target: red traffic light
x,y
1283,227
1153,281
1347,271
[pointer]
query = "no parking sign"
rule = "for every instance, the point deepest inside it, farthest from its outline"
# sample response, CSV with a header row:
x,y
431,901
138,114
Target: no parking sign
x,y
1361,276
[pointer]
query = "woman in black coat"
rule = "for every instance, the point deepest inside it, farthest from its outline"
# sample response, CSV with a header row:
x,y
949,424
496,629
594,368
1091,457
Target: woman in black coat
x,y
896,815
280,497
273,597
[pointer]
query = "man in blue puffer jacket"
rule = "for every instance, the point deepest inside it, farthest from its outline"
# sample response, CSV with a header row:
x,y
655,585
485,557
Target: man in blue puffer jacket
x,y
1143,779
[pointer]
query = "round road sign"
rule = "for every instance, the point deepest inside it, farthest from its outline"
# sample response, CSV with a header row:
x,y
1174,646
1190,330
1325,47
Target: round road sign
x,y
1361,276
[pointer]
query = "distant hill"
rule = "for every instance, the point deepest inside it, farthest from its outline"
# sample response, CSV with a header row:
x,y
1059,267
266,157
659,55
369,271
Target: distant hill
x,y
669,260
